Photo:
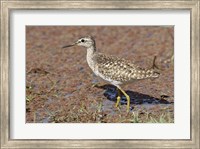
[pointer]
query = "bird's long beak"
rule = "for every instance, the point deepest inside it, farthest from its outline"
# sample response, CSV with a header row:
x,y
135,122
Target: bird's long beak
x,y
69,45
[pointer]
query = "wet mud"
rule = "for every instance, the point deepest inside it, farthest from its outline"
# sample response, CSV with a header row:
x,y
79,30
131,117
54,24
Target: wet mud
x,y
60,86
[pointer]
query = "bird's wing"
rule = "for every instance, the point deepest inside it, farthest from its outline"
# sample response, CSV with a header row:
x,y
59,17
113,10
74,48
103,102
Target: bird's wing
x,y
115,68
120,69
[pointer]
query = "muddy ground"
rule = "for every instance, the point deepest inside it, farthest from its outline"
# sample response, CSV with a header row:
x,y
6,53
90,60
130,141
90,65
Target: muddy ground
x,y
60,85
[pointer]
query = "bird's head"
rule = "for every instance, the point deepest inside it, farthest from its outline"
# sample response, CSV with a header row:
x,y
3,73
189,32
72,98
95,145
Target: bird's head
x,y
85,42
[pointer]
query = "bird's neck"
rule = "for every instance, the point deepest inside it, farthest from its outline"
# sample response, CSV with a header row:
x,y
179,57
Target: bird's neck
x,y
91,50
90,55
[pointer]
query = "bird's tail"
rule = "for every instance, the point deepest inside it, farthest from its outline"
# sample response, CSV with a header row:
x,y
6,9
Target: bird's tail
x,y
150,73
155,74
147,73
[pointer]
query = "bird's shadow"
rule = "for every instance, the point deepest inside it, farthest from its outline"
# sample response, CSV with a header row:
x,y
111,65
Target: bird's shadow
x,y
135,97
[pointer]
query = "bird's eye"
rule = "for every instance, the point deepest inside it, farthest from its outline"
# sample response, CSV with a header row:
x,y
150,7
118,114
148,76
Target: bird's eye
x,y
82,40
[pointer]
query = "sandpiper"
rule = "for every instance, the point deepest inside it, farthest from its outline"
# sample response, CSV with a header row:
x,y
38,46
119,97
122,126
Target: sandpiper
x,y
115,70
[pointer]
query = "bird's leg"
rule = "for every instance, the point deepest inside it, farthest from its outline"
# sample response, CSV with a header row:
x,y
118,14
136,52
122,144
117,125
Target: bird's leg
x,y
127,98
96,82
118,97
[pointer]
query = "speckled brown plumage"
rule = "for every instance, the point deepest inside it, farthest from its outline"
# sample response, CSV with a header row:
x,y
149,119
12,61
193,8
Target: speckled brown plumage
x,y
121,70
115,70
